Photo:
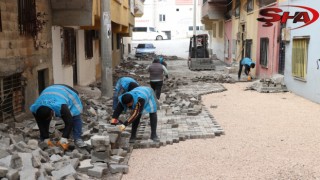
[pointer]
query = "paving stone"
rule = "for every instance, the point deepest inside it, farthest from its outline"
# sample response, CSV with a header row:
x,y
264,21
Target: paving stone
x,y
85,165
117,158
97,171
3,153
119,168
33,144
55,158
13,174
99,156
29,174
3,171
65,171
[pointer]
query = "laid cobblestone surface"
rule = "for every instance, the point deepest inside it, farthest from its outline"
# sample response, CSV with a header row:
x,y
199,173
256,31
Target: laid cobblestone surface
x,y
173,128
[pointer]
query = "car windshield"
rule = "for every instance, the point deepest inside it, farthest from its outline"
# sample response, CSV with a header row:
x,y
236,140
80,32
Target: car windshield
x,y
145,46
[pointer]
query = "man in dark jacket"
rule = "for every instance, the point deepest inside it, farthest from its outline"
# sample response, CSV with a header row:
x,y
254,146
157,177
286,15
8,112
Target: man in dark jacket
x,y
157,70
60,101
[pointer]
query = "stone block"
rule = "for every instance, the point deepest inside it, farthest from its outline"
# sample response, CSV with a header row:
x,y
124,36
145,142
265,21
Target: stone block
x,y
65,171
55,158
13,174
3,171
16,138
113,137
3,153
100,156
97,141
26,159
29,174
33,144
97,171
117,158
119,168
85,165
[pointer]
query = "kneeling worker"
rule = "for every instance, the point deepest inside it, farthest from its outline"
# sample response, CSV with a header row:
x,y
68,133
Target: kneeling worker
x,y
141,100
60,101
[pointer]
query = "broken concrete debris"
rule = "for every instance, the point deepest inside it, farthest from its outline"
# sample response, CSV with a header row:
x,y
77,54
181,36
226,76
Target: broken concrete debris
x,y
274,84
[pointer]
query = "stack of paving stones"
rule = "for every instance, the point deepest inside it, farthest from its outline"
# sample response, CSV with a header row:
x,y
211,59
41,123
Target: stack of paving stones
x,y
269,85
216,78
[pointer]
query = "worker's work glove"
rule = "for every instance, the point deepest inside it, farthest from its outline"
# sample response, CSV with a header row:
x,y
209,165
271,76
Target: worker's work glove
x,y
49,142
121,127
63,143
249,78
115,121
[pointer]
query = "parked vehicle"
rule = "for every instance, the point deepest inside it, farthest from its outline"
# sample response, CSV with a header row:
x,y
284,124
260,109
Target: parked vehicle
x,y
147,33
145,49
199,58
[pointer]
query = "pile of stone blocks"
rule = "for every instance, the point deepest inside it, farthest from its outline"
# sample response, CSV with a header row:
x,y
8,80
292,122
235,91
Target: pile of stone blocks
x,y
216,78
275,84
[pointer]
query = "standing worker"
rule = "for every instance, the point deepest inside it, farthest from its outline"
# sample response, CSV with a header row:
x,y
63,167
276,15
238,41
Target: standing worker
x,y
140,100
248,64
157,70
61,101
123,85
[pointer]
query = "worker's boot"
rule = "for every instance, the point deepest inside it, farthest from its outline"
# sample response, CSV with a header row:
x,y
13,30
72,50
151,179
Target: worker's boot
x,y
153,124
134,129
63,143
49,143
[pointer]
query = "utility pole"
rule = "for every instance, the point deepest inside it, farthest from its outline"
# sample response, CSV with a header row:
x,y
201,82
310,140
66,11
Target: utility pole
x,y
194,28
106,51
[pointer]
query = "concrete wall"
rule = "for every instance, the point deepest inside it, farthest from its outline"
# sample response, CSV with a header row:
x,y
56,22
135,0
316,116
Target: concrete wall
x,y
62,74
228,38
18,53
310,87
217,41
273,51
85,67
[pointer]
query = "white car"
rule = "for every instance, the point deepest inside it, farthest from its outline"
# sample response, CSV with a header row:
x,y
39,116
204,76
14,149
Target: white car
x,y
147,33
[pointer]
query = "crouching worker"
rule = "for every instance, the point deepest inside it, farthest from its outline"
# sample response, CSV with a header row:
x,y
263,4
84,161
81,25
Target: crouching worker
x,y
64,102
141,100
248,65
123,85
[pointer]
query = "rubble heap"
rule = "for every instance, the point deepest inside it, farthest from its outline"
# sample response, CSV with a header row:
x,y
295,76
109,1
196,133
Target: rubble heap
x,y
150,57
216,78
269,85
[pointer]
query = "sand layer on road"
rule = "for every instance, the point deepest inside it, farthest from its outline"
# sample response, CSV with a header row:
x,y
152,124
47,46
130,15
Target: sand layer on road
x,y
268,136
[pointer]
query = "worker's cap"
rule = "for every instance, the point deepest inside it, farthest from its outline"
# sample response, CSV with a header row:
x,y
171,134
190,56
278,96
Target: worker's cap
x,y
126,98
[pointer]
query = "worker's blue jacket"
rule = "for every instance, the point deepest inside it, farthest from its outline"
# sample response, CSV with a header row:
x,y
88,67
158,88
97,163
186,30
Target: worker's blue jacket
x,y
122,86
247,61
56,95
146,93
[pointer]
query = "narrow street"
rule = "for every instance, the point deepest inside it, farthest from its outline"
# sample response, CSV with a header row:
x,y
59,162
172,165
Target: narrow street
x,y
267,136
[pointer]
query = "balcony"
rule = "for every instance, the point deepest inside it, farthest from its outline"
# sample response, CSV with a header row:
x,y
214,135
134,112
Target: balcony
x,y
72,12
214,9
138,8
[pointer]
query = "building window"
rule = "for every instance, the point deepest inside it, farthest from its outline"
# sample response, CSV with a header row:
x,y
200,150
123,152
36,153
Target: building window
x,y
162,17
118,41
11,96
68,45
0,21
228,13
237,8
250,6
264,46
248,48
266,2
88,44
214,30
221,29
300,57
27,17
204,1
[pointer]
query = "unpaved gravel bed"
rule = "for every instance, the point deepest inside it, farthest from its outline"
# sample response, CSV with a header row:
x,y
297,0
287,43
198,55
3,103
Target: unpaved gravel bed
x,y
267,136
